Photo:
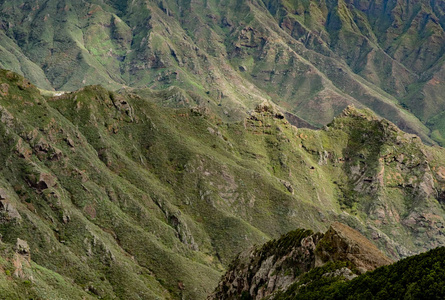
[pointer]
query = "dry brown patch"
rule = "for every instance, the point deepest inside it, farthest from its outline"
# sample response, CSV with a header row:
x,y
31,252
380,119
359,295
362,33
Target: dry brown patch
x,y
441,173
4,89
90,211
351,245
434,81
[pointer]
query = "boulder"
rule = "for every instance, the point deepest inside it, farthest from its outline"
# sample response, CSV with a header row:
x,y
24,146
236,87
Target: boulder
x,y
22,247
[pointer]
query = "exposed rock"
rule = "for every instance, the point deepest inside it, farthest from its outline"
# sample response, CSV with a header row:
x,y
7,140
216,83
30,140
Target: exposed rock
x,y
42,146
56,154
3,194
264,108
70,142
345,272
260,272
297,121
342,243
10,211
234,200
288,186
23,149
324,156
277,264
22,247
66,218
122,105
4,89
41,181
46,180
6,117
22,260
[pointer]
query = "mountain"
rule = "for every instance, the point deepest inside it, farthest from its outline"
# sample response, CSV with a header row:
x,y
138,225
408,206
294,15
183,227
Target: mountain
x,y
312,58
339,264
119,195
266,271
154,140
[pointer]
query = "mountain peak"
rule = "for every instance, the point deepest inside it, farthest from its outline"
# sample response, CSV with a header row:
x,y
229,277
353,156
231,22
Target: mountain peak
x,y
261,272
343,243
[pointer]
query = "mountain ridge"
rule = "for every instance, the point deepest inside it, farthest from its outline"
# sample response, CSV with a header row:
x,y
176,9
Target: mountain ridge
x,y
312,58
121,195
306,265
264,271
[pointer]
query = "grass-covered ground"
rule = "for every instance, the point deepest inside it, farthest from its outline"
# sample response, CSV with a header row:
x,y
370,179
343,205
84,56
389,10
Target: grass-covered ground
x,y
119,196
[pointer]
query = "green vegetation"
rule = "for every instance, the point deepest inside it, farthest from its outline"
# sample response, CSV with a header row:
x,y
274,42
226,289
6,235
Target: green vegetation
x,y
118,195
149,191
311,58
316,285
417,277
284,243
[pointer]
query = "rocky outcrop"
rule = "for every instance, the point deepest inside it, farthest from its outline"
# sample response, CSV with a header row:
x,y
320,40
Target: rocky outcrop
x,y
342,243
260,272
7,209
22,259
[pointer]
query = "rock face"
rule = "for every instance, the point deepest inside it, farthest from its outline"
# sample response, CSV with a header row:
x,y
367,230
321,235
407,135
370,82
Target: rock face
x,y
342,243
22,259
260,272
22,248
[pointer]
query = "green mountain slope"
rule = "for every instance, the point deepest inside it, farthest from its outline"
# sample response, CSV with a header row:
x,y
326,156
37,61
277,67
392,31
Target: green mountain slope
x,y
337,264
313,58
117,195
280,266
416,277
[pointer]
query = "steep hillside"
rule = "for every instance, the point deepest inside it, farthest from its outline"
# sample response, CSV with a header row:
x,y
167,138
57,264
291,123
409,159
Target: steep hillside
x,y
267,271
313,58
338,264
417,277
113,194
